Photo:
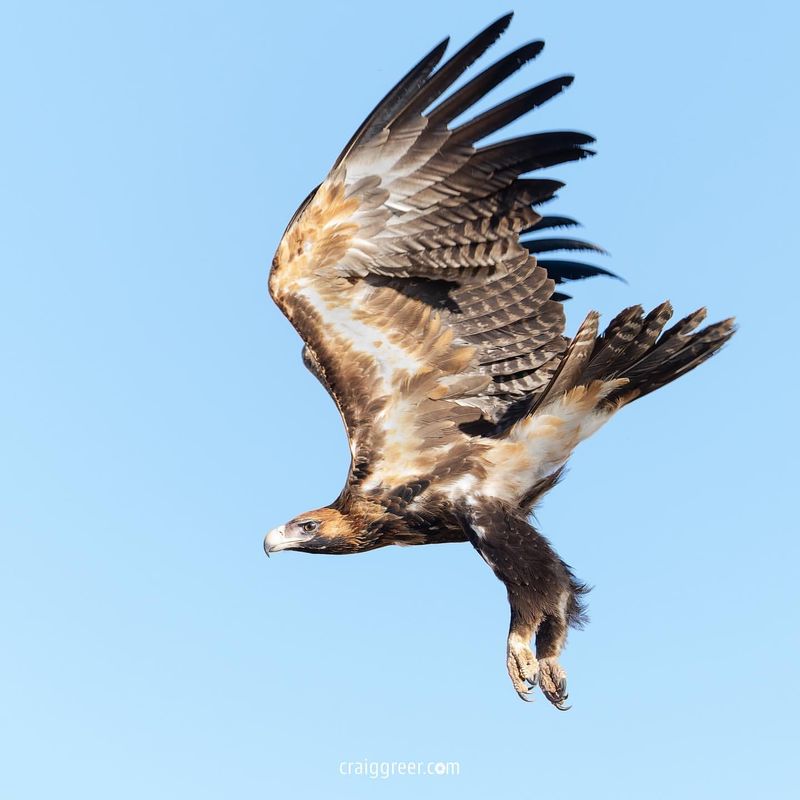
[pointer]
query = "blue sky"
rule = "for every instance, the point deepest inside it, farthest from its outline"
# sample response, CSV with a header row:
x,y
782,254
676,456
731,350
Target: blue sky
x,y
156,421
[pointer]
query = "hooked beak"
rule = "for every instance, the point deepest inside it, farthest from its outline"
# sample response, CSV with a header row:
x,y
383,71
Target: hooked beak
x,y
277,540
273,539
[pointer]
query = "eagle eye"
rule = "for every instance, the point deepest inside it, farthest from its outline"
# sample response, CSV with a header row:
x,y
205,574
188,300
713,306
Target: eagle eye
x,y
309,526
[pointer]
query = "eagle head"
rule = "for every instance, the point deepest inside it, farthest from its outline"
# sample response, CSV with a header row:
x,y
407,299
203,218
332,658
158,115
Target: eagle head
x,y
324,530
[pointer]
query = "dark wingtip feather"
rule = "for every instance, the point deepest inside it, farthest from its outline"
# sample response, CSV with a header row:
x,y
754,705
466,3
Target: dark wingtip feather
x,y
501,23
450,71
555,158
396,98
562,270
551,221
510,110
553,244
539,190
472,91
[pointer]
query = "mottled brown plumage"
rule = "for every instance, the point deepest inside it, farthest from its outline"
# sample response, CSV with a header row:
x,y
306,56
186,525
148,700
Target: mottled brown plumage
x,y
441,338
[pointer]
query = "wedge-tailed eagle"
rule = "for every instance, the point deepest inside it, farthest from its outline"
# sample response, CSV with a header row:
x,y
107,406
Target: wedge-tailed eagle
x,y
420,278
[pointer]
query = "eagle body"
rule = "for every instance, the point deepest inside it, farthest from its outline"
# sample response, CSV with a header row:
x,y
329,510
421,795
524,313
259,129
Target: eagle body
x,y
439,333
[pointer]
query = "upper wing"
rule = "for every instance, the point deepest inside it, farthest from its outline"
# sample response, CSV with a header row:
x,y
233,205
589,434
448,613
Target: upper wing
x,y
423,314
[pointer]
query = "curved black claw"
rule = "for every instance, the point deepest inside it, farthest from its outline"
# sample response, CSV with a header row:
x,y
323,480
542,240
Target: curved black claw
x,y
559,697
526,696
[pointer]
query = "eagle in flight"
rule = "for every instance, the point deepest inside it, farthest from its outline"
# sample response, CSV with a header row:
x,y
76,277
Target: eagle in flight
x,y
430,311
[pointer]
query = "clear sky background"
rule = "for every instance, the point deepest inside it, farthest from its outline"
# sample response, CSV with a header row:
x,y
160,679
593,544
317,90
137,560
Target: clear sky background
x,y
156,421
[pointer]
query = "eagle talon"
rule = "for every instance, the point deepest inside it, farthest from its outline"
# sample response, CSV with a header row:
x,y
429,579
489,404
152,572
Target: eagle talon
x,y
553,681
523,668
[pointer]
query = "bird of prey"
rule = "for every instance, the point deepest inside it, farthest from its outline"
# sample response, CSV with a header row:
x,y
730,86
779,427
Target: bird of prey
x,y
419,276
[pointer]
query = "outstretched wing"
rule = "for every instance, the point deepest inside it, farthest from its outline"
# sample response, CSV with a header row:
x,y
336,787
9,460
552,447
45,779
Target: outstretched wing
x,y
422,312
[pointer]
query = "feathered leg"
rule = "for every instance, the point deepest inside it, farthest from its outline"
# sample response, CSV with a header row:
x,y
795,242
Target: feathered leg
x,y
541,592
